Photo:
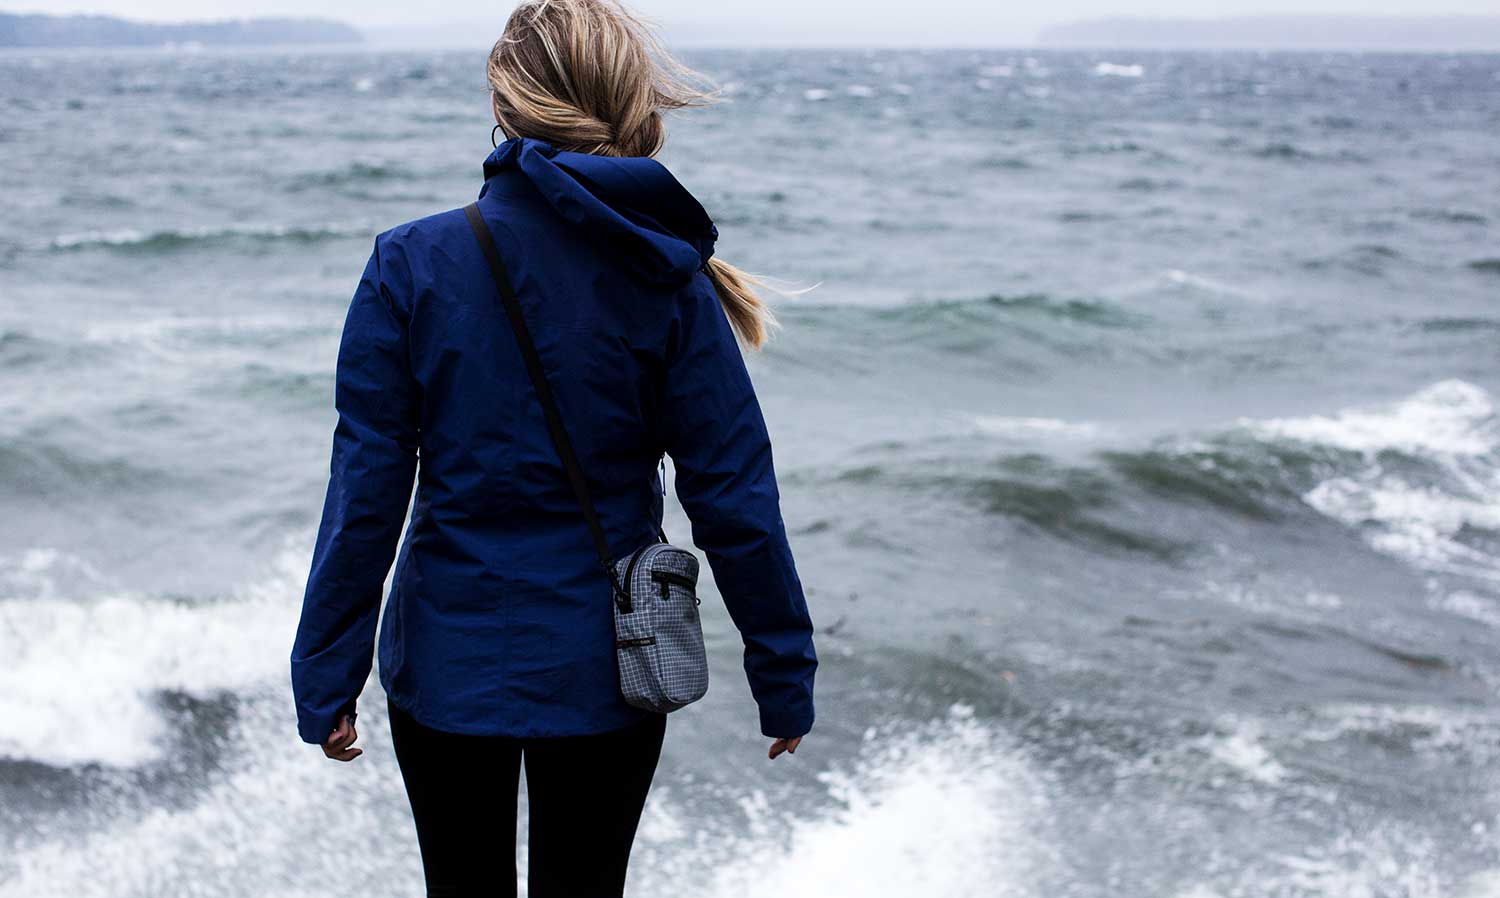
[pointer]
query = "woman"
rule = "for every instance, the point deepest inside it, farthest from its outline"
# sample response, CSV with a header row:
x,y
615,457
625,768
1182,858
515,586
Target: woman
x,y
497,643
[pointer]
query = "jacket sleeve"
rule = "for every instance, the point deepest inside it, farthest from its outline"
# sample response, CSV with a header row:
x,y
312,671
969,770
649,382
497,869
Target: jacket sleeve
x,y
717,438
369,488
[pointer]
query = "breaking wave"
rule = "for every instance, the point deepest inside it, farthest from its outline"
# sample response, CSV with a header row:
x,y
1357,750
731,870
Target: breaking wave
x,y
1418,478
86,667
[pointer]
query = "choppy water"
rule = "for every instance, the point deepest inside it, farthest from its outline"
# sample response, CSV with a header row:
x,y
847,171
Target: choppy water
x,y
1140,448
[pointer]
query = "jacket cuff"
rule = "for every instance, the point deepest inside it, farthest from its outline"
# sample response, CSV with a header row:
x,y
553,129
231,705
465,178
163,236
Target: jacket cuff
x,y
785,724
315,728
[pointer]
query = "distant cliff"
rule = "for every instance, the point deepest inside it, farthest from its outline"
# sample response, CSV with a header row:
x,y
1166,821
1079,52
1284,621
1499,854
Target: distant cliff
x,y
37,30
1290,32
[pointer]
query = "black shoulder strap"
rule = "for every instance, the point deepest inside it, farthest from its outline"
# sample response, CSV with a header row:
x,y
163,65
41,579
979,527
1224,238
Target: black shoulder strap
x,y
544,395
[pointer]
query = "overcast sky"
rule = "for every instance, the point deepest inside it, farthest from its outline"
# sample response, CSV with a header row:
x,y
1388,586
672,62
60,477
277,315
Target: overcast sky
x,y
779,21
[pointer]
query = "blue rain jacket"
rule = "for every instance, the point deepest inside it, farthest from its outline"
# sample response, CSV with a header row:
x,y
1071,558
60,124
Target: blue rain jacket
x,y
499,619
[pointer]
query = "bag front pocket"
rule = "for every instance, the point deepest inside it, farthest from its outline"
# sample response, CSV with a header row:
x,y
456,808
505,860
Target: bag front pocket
x,y
682,662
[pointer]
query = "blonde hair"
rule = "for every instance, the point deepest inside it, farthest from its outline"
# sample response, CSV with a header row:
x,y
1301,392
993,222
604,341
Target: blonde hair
x,y
590,77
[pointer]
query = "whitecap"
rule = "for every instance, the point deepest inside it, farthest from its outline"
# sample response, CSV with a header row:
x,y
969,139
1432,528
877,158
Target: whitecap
x,y
1240,748
1422,728
118,237
1470,605
1178,279
1417,523
1117,70
1005,426
1452,425
198,328
130,238
1451,417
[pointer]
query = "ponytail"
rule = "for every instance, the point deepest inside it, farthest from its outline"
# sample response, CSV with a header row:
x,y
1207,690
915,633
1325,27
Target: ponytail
x,y
748,314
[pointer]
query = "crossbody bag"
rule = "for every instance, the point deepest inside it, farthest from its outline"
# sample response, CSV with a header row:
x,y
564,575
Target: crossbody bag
x,y
658,633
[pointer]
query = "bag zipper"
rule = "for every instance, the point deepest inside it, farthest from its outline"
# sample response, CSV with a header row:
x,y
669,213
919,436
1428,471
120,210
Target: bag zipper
x,y
668,577
630,574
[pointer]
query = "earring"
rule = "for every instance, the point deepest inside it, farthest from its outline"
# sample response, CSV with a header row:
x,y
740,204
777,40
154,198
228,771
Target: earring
x,y
493,131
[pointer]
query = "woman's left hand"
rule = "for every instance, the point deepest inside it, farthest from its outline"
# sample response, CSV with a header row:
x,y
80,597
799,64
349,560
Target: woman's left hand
x,y
785,745
340,743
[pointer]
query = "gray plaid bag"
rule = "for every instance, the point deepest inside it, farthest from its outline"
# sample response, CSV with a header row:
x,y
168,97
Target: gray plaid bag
x,y
658,634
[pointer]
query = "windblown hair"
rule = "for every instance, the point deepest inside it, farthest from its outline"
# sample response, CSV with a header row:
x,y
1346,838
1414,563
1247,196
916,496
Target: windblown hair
x,y
590,77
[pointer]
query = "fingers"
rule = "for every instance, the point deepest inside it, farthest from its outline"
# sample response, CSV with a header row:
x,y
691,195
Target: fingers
x,y
784,745
339,744
342,736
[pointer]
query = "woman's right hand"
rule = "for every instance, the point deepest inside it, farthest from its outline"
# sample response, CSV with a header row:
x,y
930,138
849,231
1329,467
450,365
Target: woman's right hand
x,y
340,743
785,745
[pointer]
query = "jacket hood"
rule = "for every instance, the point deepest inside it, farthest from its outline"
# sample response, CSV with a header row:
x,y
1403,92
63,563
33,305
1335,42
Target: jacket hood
x,y
631,207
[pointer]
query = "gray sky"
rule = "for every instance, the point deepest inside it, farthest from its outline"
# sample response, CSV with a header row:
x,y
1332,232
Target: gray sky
x,y
768,21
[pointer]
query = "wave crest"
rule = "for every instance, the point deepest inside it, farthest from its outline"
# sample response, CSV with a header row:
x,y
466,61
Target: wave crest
x,y
176,240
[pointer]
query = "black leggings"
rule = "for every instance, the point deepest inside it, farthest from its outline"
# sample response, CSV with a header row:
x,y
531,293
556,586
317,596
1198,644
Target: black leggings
x,y
586,794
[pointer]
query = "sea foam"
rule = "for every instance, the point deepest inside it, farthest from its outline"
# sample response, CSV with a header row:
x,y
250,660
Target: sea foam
x,y
946,809
82,674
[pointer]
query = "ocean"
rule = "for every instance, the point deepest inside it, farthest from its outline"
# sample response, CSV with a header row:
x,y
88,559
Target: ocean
x,y
1139,440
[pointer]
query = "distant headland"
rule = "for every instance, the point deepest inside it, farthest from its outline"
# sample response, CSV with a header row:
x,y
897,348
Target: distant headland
x,y
41,30
1283,32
